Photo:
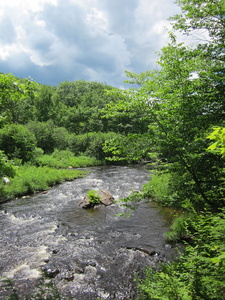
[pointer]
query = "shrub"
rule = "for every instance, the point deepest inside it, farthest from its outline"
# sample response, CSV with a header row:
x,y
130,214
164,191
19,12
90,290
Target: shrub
x,y
93,197
90,144
6,167
43,133
17,141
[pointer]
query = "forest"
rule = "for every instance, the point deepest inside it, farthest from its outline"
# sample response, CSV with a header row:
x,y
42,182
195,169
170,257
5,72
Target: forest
x,y
171,119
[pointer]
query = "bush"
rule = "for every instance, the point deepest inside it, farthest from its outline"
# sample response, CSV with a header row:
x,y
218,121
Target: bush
x,y
182,229
6,167
43,132
17,141
90,144
93,197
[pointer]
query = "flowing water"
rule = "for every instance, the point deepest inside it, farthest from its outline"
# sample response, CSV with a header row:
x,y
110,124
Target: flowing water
x,y
50,248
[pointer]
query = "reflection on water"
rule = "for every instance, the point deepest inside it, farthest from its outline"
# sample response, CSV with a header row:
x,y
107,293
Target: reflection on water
x,y
86,253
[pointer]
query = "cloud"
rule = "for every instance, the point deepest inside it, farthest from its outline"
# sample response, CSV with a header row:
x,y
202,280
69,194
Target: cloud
x,y
58,40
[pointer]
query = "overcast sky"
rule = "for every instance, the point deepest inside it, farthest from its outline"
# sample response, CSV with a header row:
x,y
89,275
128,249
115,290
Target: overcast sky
x,y
96,40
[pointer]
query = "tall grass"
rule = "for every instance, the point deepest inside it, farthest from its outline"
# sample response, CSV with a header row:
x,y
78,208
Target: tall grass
x,y
30,179
65,158
158,188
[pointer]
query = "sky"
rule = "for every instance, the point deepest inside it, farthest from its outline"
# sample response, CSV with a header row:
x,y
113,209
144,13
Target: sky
x,y
53,41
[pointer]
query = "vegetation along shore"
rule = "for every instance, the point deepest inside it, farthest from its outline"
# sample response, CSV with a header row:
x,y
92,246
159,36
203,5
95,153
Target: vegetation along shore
x,y
172,118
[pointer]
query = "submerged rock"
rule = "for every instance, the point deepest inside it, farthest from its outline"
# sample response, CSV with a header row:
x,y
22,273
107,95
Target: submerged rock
x,y
105,198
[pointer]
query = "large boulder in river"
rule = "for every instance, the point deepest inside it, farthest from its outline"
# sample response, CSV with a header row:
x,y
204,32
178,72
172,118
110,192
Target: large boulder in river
x,y
101,197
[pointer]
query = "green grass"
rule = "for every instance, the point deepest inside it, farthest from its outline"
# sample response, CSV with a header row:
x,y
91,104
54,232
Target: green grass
x,y
158,188
65,159
30,179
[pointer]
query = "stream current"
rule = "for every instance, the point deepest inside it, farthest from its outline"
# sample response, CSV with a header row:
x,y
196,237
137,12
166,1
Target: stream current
x,y
83,254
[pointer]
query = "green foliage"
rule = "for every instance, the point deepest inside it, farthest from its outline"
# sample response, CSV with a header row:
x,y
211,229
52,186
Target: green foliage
x,y
132,148
90,144
164,285
48,136
129,114
81,105
218,136
30,179
45,106
93,197
65,159
204,15
199,273
183,228
14,95
7,167
181,110
17,141
184,108
158,188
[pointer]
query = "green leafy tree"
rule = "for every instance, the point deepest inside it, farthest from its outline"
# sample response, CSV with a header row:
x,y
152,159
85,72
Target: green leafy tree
x,y
206,16
46,107
81,106
183,100
131,148
49,136
17,141
15,98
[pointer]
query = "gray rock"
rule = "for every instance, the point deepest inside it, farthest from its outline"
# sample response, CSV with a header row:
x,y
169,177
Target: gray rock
x,y
105,199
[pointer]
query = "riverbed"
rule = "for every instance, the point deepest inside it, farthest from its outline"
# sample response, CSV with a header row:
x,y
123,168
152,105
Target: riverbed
x,y
53,249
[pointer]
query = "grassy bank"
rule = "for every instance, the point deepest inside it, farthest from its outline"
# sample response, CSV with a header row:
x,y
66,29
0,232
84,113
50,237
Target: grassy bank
x,y
65,159
30,179
44,172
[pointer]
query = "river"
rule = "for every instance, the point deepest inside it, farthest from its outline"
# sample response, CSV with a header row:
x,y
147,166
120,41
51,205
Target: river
x,y
53,249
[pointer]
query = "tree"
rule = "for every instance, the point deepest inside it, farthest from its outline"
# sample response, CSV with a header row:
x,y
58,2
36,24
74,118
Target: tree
x,y
203,15
17,141
184,99
46,107
13,98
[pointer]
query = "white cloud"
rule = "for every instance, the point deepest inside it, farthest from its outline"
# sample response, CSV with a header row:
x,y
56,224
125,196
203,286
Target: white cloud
x,y
27,5
97,19
81,39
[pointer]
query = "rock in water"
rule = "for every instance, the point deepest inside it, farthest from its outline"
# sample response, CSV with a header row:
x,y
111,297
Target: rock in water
x,y
105,199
